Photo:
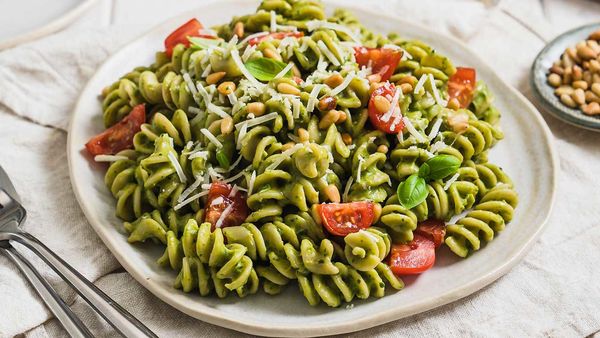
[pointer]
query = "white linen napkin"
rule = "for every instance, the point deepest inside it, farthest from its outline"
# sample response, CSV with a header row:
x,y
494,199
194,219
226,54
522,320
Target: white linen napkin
x,y
554,291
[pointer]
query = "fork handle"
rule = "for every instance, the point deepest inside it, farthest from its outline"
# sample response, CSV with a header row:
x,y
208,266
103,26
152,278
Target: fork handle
x,y
121,320
70,322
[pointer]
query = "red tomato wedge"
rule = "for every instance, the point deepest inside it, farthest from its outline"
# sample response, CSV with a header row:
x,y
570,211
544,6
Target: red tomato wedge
x,y
120,136
412,258
341,219
221,200
461,85
433,229
180,35
393,124
383,61
274,36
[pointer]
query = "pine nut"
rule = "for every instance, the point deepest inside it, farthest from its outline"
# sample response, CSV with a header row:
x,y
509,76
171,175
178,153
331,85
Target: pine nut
x,y
303,135
406,88
572,53
296,71
566,61
591,97
215,77
347,139
382,104
453,104
568,101
591,109
287,146
226,125
375,85
238,29
595,78
408,79
382,149
328,119
332,193
286,88
595,35
554,80
256,108
563,90
596,88
334,80
568,76
577,73
341,117
374,78
587,77
594,66
272,54
586,53
327,103
593,44
376,212
557,70
578,96
226,88
580,85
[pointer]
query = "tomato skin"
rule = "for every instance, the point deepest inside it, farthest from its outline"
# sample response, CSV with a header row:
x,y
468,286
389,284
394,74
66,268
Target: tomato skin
x,y
383,60
341,219
412,258
387,89
461,85
120,136
180,35
239,210
433,229
275,36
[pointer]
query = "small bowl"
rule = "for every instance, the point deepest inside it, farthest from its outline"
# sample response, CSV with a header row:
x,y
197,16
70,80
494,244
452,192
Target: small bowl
x,y
544,92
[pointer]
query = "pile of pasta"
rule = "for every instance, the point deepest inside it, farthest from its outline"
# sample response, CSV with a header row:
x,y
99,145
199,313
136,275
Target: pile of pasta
x,y
272,141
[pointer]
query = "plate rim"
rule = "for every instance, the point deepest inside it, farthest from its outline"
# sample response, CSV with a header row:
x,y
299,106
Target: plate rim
x,y
49,28
339,328
560,111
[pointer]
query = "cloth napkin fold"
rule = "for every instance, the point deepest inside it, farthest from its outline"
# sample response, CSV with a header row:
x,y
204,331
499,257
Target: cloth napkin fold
x,y
554,291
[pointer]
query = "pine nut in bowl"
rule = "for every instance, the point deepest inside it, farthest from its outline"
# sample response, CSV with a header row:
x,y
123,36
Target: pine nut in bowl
x,y
565,77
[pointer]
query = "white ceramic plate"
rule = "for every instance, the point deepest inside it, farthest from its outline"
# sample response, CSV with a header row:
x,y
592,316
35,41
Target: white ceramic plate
x,y
26,20
526,154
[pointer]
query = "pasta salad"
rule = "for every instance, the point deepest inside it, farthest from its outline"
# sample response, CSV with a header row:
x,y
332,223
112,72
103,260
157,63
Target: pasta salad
x,y
288,147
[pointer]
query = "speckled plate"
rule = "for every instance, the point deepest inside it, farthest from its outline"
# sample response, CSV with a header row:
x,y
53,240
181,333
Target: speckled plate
x,y
526,153
545,93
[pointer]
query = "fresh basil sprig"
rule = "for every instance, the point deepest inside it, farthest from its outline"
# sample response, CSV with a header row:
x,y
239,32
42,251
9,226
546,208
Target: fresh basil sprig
x,y
265,69
413,191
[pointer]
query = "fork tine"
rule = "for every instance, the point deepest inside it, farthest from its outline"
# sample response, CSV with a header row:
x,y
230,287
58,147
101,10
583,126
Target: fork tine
x,y
64,314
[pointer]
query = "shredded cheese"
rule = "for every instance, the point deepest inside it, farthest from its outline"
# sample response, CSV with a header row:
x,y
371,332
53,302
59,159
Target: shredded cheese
x,y
257,121
241,136
342,85
435,129
200,153
225,213
273,22
359,169
328,54
251,183
177,167
190,189
284,71
189,200
296,107
234,190
190,84
436,93
252,36
347,189
206,71
400,136
285,154
217,201
386,117
235,56
109,158
211,137
450,181
412,130
248,52
420,84
232,98
233,178
310,106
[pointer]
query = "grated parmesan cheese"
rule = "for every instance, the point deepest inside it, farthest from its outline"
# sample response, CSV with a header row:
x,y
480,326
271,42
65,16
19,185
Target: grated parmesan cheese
x,y
225,213
316,24
359,169
436,93
257,121
284,71
252,36
296,105
232,98
235,56
251,183
347,189
109,158
217,201
206,71
190,189
386,117
285,154
310,106
412,130
342,85
189,200
435,129
241,135
328,53
211,137
190,84
273,25
177,167
450,181
420,84
200,153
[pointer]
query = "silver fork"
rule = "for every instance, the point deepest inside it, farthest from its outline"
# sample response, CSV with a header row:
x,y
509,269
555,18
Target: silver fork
x,y
12,215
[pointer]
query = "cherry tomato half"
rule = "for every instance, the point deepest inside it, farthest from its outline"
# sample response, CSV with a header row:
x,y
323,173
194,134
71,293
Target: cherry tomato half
x,y
219,199
180,35
433,229
341,219
119,136
394,124
274,36
461,85
383,61
414,257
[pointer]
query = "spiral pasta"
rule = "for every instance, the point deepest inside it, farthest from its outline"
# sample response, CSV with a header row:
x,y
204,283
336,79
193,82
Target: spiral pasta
x,y
251,132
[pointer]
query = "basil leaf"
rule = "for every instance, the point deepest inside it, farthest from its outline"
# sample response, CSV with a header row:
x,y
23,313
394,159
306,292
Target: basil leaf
x,y
265,69
442,166
413,191
424,170
203,43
